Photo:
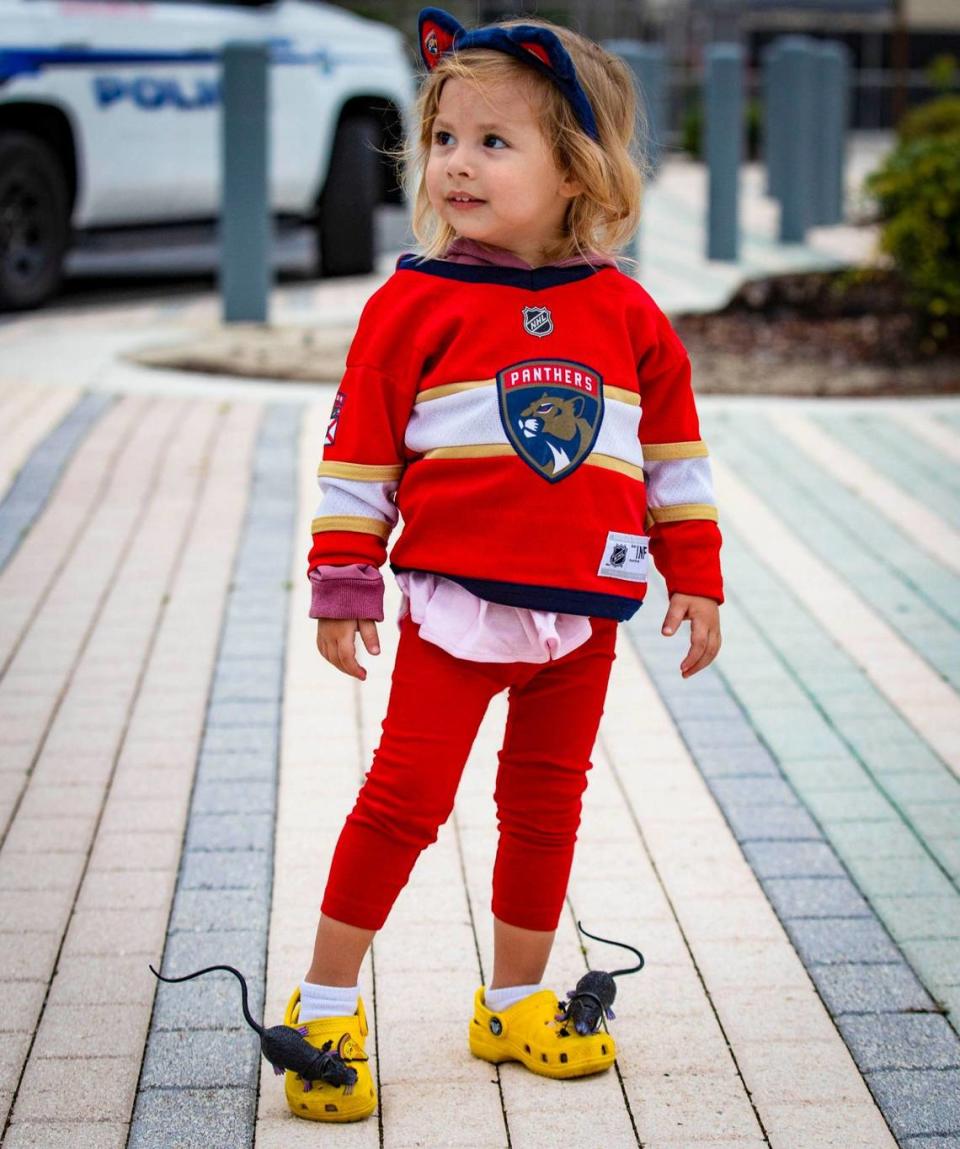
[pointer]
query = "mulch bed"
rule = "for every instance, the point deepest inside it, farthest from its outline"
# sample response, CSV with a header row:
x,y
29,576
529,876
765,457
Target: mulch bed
x,y
845,332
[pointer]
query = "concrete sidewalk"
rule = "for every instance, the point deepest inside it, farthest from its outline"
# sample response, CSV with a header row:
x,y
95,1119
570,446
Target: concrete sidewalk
x,y
778,835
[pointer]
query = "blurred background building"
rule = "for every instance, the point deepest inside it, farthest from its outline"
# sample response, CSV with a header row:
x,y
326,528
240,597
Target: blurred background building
x,y
892,43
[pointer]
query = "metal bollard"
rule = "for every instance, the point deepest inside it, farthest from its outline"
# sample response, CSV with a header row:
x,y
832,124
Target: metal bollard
x,y
245,271
832,118
772,114
796,72
723,150
648,64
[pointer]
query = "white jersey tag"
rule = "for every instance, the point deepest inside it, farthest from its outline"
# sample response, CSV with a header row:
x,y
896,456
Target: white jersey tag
x,y
625,556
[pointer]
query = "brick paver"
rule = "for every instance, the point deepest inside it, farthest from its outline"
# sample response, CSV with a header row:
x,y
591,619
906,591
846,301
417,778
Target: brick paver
x,y
27,423
923,699
878,485
791,881
148,642
797,763
199,1044
877,555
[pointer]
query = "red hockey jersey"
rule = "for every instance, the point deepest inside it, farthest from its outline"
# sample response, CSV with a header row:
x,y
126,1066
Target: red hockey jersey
x,y
536,431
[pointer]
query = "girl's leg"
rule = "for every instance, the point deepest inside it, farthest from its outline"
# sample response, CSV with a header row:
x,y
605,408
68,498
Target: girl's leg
x,y
519,955
338,953
551,729
436,705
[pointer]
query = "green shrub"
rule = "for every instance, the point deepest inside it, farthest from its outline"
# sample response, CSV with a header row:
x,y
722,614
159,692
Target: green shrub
x,y
942,72
939,117
917,190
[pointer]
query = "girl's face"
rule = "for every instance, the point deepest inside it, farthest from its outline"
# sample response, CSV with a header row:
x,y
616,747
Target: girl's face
x,y
491,174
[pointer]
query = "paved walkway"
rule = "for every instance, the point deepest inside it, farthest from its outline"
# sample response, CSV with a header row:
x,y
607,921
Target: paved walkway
x,y
778,835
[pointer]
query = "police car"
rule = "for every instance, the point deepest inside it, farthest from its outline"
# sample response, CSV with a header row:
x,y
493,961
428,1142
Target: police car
x,y
110,119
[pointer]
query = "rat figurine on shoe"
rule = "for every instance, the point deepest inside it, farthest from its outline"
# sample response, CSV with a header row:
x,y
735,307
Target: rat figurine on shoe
x,y
282,1045
590,1003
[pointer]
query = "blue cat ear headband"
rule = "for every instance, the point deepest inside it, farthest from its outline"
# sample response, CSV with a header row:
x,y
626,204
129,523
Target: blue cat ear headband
x,y
439,33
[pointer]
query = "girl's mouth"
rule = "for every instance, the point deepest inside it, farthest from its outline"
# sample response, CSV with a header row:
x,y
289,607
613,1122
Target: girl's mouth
x,y
464,201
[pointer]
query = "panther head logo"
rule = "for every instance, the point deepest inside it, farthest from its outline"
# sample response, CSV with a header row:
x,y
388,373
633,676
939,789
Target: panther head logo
x,y
551,411
559,425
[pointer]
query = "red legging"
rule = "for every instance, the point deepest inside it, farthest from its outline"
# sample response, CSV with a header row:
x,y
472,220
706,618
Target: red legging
x,y
437,703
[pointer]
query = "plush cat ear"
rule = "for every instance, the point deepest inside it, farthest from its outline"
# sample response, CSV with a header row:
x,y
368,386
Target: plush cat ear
x,y
543,49
437,31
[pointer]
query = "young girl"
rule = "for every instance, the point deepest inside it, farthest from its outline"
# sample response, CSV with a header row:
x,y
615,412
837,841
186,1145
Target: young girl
x,y
527,408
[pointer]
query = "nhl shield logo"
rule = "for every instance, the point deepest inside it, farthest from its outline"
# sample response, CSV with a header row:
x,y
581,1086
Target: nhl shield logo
x,y
537,321
551,410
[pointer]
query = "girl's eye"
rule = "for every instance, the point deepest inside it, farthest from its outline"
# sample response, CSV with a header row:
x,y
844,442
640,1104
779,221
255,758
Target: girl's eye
x,y
492,141
442,138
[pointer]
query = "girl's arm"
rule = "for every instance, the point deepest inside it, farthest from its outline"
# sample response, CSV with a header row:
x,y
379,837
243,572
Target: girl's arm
x,y
681,508
363,461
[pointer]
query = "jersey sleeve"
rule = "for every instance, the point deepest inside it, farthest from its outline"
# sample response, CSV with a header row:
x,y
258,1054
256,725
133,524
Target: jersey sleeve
x,y
682,518
363,450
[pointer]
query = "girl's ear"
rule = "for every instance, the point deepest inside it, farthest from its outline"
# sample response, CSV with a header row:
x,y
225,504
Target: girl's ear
x,y
570,188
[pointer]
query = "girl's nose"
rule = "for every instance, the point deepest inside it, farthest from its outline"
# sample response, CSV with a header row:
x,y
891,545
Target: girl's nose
x,y
458,164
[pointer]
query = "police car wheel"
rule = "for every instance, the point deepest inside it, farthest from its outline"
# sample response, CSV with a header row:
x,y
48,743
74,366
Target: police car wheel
x,y
345,223
34,221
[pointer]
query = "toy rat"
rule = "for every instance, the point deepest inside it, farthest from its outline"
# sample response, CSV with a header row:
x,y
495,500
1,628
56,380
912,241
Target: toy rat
x,y
285,1047
591,1001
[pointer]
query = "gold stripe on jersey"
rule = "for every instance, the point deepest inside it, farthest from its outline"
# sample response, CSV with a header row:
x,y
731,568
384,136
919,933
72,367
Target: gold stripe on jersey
x,y
451,389
622,395
358,523
363,472
683,511
609,463
655,452
504,450
472,451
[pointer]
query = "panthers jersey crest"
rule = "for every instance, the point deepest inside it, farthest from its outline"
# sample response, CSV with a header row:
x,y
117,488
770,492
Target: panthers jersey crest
x,y
551,410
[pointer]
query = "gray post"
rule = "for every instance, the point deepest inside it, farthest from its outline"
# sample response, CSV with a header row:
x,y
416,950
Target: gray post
x,y
245,273
832,118
723,125
797,73
772,114
648,64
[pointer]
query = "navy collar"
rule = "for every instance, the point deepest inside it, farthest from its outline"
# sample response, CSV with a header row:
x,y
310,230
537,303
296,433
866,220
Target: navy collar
x,y
531,279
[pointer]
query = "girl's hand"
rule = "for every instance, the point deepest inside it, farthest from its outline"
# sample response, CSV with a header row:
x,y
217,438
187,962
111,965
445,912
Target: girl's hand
x,y
336,641
704,615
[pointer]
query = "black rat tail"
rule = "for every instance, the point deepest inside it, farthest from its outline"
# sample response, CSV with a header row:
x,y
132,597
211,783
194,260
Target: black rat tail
x,y
623,945
227,969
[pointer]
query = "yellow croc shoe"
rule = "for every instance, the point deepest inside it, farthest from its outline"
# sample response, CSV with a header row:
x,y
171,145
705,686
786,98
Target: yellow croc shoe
x,y
319,1100
529,1031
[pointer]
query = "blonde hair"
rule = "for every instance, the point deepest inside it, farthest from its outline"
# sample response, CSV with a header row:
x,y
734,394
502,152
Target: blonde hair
x,y
602,218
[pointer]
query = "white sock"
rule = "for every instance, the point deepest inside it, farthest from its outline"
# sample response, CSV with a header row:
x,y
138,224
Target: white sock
x,y
507,995
327,1000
